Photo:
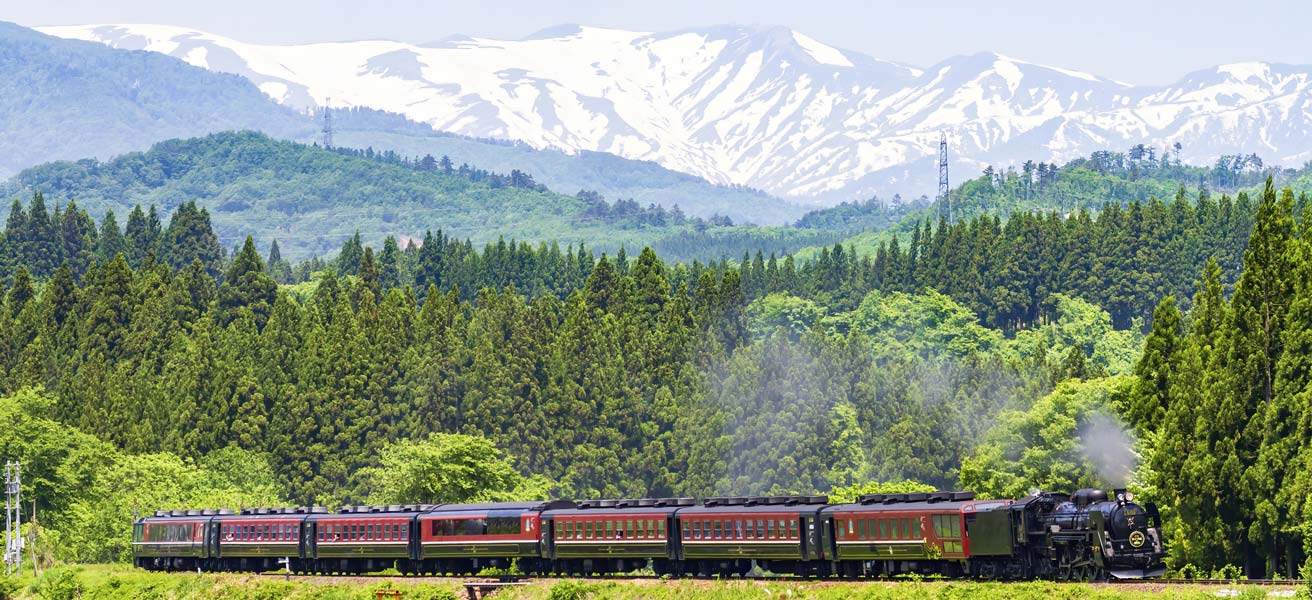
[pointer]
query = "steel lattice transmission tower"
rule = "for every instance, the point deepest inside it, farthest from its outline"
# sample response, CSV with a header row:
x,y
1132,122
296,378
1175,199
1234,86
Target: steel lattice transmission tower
x,y
13,518
327,123
944,188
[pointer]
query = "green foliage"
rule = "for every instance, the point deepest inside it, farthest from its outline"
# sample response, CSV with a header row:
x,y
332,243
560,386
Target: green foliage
x,y
447,468
795,315
850,493
1048,446
88,491
569,590
9,587
1229,572
250,184
59,583
923,325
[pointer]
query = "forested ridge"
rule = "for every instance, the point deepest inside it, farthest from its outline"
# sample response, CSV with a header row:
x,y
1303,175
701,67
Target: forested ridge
x,y
311,199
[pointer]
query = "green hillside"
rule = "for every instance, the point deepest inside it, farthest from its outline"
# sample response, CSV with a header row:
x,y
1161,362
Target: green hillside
x,y
1086,183
311,200
641,181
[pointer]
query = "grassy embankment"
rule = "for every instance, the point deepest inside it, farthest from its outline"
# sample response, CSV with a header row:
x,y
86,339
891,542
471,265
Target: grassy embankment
x,y
115,582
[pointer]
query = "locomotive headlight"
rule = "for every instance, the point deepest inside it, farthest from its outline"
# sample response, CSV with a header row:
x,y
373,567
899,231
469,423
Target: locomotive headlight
x,y
1129,496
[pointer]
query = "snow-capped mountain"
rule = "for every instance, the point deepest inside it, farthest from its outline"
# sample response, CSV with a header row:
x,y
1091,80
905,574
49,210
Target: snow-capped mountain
x,y
770,108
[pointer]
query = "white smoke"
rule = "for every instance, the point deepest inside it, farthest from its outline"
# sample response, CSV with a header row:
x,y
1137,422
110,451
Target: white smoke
x,y
1108,445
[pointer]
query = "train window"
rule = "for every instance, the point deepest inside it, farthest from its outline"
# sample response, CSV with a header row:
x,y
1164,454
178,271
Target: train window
x,y
717,530
588,526
738,527
861,529
610,529
405,531
792,529
954,526
696,532
660,528
769,529
687,529
751,529
906,529
760,529
629,527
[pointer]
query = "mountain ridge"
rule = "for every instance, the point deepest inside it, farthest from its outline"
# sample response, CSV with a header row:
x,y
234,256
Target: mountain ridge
x,y
770,108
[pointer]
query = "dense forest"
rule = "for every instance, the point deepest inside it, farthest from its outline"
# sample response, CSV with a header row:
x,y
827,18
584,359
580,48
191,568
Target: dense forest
x,y
624,376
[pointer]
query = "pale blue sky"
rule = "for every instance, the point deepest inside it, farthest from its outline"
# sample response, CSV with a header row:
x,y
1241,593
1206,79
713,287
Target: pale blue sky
x,y
1138,41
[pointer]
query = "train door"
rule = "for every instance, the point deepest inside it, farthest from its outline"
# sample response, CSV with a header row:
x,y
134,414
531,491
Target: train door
x,y
547,537
825,548
211,539
810,538
309,541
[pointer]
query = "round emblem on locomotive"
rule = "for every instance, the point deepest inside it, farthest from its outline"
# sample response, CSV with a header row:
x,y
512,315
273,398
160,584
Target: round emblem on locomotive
x,y
1136,539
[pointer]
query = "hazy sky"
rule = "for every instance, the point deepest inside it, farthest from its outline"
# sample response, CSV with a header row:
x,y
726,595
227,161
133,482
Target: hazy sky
x,y
1138,41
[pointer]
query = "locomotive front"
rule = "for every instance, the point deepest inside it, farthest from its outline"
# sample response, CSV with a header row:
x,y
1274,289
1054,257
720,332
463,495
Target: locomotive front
x,y
1130,539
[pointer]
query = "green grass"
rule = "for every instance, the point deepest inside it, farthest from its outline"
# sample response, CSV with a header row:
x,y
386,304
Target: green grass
x,y
112,582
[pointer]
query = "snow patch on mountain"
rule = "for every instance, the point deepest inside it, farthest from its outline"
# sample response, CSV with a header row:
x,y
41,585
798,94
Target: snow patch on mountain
x,y
767,107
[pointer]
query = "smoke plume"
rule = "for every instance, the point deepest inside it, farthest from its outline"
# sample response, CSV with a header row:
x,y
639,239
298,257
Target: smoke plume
x,y
1108,445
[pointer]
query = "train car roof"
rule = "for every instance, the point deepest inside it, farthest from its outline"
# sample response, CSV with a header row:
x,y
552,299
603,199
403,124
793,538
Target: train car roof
x,y
179,519
602,513
923,506
536,505
730,509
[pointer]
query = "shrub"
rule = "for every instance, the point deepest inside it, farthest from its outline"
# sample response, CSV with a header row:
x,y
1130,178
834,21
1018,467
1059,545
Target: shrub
x,y
1230,572
568,590
58,584
1306,575
8,587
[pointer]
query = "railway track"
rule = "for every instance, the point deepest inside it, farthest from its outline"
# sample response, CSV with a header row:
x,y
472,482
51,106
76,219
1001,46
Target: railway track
x,y
626,577
1259,582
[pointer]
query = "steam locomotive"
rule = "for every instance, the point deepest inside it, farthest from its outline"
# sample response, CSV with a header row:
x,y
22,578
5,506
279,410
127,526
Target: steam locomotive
x,y
1084,536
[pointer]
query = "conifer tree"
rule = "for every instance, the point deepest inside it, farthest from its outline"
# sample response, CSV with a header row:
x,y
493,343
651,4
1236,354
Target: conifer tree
x,y
246,287
1156,369
110,242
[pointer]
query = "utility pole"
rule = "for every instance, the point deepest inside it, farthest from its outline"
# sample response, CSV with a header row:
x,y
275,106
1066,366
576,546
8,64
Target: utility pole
x,y
944,189
327,123
13,517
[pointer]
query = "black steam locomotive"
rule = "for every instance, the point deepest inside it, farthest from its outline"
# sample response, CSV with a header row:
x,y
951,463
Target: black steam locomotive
x,y
1085,536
